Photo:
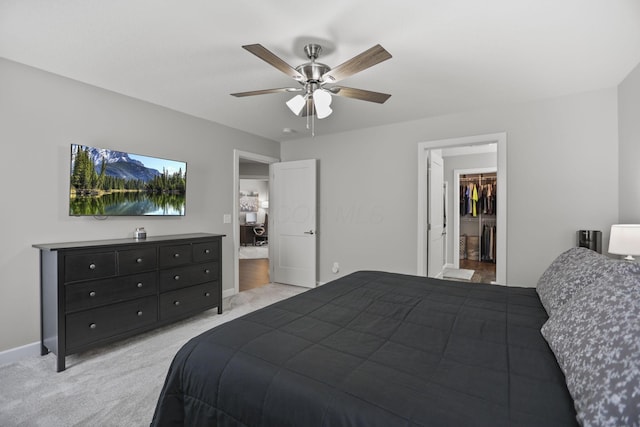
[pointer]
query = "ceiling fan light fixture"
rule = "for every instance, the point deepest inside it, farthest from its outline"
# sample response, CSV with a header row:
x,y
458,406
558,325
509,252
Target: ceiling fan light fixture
x,y
296,104
322,102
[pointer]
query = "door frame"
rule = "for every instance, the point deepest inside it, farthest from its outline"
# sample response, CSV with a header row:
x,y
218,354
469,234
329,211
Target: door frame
x,y
439,193
447,219
235,220
500,139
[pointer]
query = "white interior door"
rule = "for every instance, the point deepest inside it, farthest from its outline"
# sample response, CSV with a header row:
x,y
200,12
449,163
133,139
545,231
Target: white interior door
x,y
436,231
292,232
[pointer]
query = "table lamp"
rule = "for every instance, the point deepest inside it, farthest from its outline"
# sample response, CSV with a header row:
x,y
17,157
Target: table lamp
x,y
625,240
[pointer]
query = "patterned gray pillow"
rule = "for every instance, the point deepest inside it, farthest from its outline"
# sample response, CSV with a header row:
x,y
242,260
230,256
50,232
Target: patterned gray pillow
x,y
596,340
570,272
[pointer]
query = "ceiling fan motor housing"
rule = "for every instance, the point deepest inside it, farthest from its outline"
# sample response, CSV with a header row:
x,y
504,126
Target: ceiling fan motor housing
x,y
313,71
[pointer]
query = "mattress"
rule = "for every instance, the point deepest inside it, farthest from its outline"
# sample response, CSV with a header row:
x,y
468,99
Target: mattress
x,y
374,349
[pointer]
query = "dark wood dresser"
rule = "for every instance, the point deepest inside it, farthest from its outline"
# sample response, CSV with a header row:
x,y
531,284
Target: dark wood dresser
x,y
96,292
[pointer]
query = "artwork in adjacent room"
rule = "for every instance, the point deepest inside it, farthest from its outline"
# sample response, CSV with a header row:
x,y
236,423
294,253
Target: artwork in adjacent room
x,y
249,201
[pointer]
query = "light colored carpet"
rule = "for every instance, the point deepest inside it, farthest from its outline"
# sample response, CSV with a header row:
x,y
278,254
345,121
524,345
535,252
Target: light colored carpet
x,y
254,252
458,273
117,385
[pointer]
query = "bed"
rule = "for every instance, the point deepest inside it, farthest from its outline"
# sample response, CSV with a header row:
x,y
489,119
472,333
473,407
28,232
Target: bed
x,y
376,349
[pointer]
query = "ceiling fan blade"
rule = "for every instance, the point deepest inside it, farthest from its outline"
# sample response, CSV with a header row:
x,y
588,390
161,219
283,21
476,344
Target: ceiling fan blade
x,y
366,59
361,94
266,91
270,58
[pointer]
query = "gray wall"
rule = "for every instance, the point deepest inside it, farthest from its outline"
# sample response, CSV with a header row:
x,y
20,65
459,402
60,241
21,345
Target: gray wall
x,y
562,162
629,128
41,114
254,170
562,159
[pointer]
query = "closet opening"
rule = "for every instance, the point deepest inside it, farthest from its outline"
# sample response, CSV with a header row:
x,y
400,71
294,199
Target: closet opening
x,y
477,226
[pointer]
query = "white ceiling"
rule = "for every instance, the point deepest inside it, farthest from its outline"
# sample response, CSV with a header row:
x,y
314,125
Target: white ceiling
x,y
448,55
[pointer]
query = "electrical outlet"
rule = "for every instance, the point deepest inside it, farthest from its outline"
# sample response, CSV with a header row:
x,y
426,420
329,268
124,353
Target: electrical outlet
x,y
226,218
335,268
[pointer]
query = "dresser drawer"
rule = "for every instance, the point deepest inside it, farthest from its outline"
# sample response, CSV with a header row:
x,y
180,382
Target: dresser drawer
x,y
175,304
174,255
206,251
89,266
89,326
181,277
83,295
137,260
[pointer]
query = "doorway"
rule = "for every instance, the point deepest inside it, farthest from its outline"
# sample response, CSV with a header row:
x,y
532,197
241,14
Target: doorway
x,y
252,260
450,147
474,222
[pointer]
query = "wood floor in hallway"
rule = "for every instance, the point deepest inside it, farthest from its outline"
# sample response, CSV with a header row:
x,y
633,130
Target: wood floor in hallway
x,y
253,273
484,272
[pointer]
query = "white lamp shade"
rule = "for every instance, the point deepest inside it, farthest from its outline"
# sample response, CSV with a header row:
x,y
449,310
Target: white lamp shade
x,y
322,101
296,104
625,239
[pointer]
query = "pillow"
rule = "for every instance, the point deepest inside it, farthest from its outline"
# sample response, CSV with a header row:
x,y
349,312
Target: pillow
x,y
596,340
570,272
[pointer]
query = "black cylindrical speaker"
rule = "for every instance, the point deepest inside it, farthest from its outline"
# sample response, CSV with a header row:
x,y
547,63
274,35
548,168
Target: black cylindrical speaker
x,y
591,239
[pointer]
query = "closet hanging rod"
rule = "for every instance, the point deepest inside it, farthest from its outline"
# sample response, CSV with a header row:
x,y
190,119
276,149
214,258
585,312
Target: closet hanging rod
x,y
476,178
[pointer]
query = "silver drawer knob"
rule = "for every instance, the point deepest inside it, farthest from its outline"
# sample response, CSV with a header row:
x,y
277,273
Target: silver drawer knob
x,y
176,303
139,313
176,255
207,271
92,266
92,294
139,260
139,284
207,251
176,277
92,326
207,294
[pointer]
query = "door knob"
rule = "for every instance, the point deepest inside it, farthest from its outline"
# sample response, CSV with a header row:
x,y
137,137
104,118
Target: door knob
x,y
309,232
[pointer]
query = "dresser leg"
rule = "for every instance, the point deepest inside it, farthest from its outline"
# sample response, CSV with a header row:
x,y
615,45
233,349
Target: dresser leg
x,y
220,309
60,363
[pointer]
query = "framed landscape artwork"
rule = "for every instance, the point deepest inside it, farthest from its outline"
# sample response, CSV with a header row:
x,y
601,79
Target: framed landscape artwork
x,y
249,201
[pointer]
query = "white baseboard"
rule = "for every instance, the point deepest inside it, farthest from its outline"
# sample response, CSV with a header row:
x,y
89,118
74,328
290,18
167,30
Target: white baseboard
x,y
18,353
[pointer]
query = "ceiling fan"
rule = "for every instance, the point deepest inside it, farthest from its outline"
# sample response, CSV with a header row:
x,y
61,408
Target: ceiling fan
x,y
314,76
